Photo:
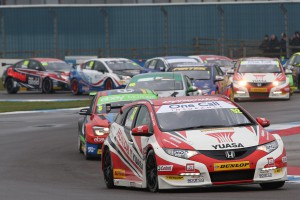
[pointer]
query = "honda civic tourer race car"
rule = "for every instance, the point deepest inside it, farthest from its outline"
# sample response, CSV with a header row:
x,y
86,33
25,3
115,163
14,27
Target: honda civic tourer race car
x,y
260,78
102,74
188,142
93,128
46,74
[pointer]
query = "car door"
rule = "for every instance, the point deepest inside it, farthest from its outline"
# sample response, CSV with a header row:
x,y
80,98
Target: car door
x,y
86,72
128,160
34,77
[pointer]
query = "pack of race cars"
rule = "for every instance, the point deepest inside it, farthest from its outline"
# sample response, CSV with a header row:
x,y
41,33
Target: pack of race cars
x,y
172,124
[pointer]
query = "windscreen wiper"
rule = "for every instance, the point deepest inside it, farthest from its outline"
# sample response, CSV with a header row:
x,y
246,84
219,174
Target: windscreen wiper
x,y
243,124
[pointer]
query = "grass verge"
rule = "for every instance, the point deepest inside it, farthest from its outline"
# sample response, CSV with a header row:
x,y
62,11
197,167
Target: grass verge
x,y
26,106
1,84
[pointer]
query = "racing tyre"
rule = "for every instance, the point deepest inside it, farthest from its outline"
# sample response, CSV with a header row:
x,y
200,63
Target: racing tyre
x,y
272,186
151,172
108,170
10,86
47,86
108,84
75,87
79,145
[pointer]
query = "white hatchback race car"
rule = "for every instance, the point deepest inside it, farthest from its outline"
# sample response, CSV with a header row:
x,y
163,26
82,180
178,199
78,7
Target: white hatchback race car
x,y
260,78
168,144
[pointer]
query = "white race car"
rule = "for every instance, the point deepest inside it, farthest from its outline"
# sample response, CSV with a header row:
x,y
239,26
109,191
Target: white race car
x,y
260,78
102,74
188,142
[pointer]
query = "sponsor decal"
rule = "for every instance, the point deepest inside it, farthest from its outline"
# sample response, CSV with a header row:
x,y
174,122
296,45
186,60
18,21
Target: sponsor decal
x,y
98,139
284,159
271,162
123,143
119,173
228,145
91,149
190,68
175,178
99,151
124,97
164,168
226,138
195,180
231,166
33,80
265,175
175,140
278,171
190,167
194,106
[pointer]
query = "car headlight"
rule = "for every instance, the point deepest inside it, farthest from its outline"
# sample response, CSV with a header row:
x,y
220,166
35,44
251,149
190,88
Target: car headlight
x,y
180,153
277,83
242,83
268,147
100,130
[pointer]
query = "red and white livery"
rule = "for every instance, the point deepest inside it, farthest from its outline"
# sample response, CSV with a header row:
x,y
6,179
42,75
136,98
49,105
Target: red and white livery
x,y
260,78
191,142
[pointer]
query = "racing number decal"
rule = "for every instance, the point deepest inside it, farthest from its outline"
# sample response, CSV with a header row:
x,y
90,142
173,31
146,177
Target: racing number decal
x,y
236,111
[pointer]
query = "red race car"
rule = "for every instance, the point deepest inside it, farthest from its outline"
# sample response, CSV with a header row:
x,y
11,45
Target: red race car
x,y
93,128
45,74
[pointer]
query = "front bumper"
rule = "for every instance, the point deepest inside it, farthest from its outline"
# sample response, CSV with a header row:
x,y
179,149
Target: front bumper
x,y
201,171
271,92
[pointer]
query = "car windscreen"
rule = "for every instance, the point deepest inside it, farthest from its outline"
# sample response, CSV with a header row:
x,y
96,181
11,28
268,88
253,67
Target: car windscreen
x,y
123,65
259,67
188,116
222,63
194,73
56,66
157,84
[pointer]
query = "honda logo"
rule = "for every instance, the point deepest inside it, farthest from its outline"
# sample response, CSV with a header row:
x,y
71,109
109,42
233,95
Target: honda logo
x,y
230,154
259,84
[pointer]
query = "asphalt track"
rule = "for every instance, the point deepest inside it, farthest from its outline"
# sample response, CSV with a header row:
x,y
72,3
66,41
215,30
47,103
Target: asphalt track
x,y
40,161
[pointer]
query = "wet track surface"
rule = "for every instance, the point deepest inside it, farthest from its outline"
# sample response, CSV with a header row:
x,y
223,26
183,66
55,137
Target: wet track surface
x,y
40,160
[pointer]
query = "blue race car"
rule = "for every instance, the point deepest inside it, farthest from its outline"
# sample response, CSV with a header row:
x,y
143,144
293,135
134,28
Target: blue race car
x,y
209,78
102,74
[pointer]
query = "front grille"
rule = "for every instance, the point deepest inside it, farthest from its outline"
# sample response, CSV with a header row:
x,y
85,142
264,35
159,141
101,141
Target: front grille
x,y
259,84
259,94
232,175
220,154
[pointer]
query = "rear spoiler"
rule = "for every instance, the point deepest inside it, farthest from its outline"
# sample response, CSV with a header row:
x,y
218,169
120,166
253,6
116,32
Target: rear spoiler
x,y
5,64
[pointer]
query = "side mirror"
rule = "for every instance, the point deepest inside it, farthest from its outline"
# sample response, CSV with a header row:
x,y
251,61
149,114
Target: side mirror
x,y
192,89
263,121
219,78
230,72
85,111
142,130
288,72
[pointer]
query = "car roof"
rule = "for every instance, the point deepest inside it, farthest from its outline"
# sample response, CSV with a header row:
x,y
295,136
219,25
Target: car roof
x,y
109,59
258,58
46,59
187,99
216,57
177,76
